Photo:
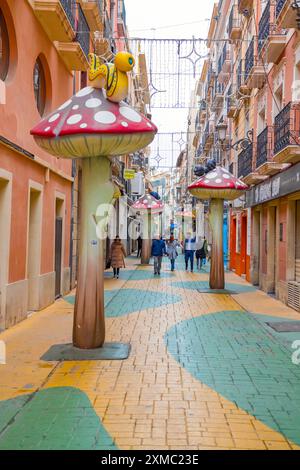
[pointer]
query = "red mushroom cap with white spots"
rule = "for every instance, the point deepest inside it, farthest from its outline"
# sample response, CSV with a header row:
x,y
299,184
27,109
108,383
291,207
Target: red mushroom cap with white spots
x,y
89,125
148,202
218,184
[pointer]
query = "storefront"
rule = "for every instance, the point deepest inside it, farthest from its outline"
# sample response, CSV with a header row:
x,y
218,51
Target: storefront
x,y
239,241
275,235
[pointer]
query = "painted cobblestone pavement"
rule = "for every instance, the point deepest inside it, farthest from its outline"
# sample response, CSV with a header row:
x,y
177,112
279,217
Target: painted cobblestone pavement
x,y
152,400
204,287
256,371
126,301
60,418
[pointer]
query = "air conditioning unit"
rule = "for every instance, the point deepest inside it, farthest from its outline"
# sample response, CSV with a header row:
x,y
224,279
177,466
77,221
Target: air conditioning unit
x,y
138,184
294,295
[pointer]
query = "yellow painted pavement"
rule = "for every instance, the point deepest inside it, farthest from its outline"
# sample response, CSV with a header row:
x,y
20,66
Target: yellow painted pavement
x,y
148,401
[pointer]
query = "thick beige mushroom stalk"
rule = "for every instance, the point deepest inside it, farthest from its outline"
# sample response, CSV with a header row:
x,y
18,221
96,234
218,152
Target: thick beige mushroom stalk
x,y
90,127
217,185
148,206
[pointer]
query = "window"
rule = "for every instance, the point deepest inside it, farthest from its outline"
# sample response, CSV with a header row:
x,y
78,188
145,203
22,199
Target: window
x,y
4,48
39,85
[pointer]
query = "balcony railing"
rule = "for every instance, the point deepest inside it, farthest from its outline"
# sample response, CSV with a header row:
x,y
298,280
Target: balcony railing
x,y
234,23
264,27
286,127
240,75
83,32
245,162
279,6
223,57
264,146
249,59
69,7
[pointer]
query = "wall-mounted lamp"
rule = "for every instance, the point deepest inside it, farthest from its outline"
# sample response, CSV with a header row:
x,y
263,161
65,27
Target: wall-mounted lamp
x,y
241,144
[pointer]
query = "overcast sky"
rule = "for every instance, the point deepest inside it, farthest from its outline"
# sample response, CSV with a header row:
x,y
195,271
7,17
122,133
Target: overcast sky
x,y
169,19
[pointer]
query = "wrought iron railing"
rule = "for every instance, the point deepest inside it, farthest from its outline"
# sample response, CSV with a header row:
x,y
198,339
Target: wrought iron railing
x,y
69,7
223,57
122,11
264,27
286,127
234,21
279,6
264,146
245,159
249,59
240,77
83,32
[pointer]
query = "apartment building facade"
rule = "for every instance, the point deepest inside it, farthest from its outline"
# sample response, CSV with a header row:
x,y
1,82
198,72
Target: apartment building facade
x,y
44,48
250,110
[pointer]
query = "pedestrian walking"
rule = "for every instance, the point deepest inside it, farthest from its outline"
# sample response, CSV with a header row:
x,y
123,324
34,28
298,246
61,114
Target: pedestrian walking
x,y
201,254
140,245
117,256
172,252
158,250
189,251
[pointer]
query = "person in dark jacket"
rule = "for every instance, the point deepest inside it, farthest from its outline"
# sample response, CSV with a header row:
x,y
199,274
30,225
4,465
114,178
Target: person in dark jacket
x,y
189,251
158,250
201,254
140,245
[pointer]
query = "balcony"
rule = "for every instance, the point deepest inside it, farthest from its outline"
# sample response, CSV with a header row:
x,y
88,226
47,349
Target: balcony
x,y
218,96
224,64
121,20
232,106
57,18
75,54
245,6
242,88
286,15
265,166
286,134
202,111
208,136
271,39
94,13
234,24
255,75
245,159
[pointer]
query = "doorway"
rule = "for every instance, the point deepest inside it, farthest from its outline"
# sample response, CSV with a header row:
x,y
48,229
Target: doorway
x,y
255,275
34,247
272,249
5,218
233,244
58,248
297,240
243,244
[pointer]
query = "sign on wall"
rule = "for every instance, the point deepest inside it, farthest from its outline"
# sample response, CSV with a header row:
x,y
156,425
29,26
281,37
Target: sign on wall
x,y
279,185
129,174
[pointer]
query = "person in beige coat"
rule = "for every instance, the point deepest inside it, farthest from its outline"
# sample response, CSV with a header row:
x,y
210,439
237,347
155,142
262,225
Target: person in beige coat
x,y
117,256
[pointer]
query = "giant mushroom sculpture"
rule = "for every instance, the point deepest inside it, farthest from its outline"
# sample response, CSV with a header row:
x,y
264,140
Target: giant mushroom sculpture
x,y
90,127
217,185
147,205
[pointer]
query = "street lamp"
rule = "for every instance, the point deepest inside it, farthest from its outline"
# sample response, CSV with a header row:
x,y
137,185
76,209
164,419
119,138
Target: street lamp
x,y
242,144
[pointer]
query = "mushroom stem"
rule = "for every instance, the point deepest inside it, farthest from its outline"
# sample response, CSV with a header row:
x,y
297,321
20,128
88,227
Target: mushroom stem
x,y
146,246
89,322
216,280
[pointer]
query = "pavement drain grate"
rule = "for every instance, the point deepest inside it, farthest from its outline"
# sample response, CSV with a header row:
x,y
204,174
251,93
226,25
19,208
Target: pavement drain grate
x,y
67,352
217,291
285,327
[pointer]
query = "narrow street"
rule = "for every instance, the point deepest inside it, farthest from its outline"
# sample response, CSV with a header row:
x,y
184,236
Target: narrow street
x,y
204,372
